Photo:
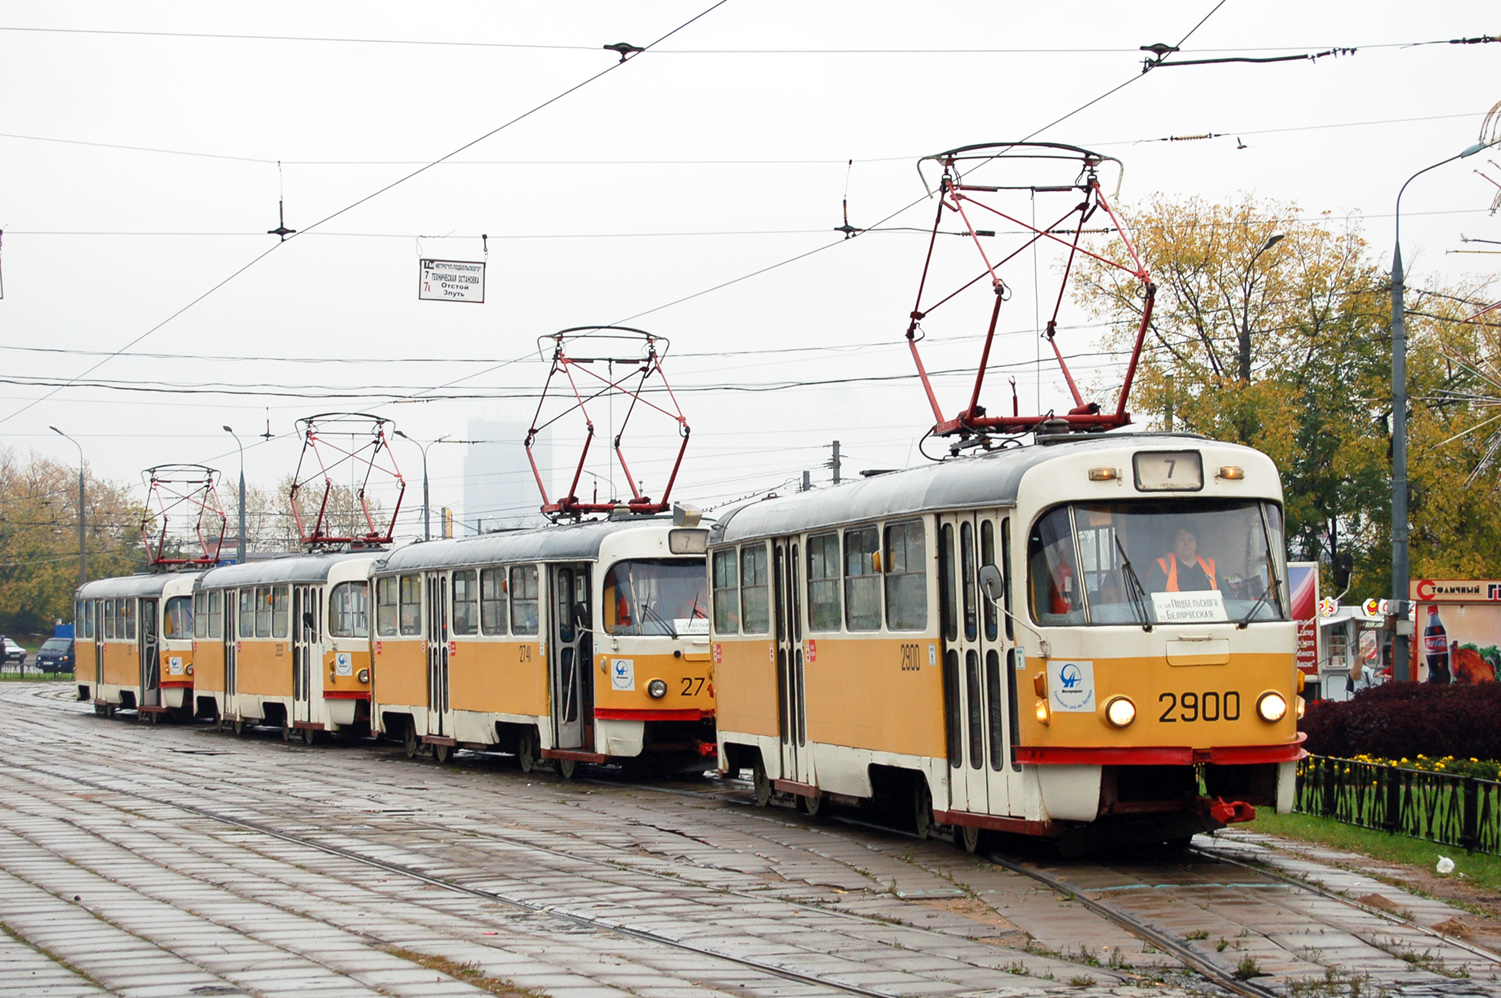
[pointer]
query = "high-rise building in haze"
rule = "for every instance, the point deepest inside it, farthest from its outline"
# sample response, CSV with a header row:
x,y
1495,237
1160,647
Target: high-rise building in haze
x,y
499,489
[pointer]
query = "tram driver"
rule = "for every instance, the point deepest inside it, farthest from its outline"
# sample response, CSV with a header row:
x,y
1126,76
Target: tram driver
x,y
1182,569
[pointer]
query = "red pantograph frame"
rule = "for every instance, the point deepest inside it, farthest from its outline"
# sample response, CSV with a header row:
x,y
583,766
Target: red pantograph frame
x,y
170,487
380,459
953,195
641,368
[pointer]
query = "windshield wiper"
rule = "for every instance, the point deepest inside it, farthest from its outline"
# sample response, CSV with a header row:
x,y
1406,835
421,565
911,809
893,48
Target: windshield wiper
x,y
648,610
1136,590
1246,620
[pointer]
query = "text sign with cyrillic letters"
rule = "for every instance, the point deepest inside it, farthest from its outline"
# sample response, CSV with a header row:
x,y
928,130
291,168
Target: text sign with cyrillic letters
x,y
452,280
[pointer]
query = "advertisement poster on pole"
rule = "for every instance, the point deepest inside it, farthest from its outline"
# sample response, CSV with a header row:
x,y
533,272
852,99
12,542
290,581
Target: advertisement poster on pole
x,y
1458,630
1303,581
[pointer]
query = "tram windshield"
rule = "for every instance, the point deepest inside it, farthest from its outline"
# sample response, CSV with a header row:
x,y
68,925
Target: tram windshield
x,y
666,596
1186,561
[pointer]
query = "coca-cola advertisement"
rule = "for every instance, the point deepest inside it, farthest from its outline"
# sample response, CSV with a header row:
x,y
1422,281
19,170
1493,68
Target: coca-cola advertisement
x,y
1457,631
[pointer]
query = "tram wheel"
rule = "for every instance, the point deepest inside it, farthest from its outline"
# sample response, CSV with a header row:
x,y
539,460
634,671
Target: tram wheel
x,y
109,710
568,768
409,742
922,808
288,732
811,806
240,727
970,836
443,754
309,736
99,710
526,751
762,783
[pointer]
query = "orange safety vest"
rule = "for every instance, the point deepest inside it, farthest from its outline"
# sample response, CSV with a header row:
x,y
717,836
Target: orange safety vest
x,y
1169,565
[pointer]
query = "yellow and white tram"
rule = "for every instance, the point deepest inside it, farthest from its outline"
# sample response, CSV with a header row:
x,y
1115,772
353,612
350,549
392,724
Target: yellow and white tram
x,y
285,643
134,647
585,642
979,641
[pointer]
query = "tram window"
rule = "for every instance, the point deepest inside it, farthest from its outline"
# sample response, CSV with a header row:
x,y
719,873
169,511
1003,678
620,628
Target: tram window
x,y
995,708
247,612
755,606
658,596
524,599
409,597
177,617
348,610
385,606
1006,574
953,720
987,557
823,583
967,585
976,709
862,580
906,577
948,612
216,614
108,624
83,620
726,593
465,603
263,598
281,604
1054,573
128,616
200,615
492,601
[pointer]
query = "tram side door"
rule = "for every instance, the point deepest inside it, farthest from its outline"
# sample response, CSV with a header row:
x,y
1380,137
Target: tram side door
x,y
306,650
571,654
231,651
975,673
97,610
439,709
791,708
150,661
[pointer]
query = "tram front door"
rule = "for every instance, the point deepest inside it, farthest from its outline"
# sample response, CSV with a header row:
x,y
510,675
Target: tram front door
x,y
571,654
231,707
791,708
150,661
306,651
976,679
439,707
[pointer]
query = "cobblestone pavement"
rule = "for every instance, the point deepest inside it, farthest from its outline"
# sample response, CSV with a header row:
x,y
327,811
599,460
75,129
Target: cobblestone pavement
x,y
145,861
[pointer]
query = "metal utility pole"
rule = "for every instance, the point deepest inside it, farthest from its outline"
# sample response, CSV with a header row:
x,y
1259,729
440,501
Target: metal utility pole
x,y
1245,323
83,555
834,462
427,525
1401,657
240,548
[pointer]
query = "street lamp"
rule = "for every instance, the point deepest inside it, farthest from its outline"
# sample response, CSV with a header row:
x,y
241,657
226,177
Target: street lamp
x,y
83,557
427,526
1401,659
240,549
1245,324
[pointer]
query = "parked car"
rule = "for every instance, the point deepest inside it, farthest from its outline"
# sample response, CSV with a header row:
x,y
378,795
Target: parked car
x,y
55,655
14,652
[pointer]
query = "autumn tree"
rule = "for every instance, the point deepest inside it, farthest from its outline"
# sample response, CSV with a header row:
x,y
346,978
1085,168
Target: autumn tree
x,y
1274,331
39,539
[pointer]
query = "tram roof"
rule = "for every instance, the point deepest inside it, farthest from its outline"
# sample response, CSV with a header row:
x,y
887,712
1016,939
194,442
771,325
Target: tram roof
x,y
274,571
131,585
559,542
980,480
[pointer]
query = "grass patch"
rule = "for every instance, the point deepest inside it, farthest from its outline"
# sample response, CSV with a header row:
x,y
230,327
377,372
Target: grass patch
x,y
36,677
1479,869
469,973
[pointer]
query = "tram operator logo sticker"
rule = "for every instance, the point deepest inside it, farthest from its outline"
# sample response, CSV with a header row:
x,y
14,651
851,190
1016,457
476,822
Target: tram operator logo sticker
x,y
1071,685
623,674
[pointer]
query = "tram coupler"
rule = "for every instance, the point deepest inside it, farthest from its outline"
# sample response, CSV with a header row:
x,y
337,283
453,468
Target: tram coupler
x,y
1231,812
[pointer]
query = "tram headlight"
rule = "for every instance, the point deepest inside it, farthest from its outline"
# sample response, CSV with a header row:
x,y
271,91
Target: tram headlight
x,y
190,670
1271,707
364,676
1043,714
1120,712
656,689
1301,708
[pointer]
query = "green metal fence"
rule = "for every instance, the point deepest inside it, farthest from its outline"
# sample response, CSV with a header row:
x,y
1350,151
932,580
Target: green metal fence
x,y
1460,811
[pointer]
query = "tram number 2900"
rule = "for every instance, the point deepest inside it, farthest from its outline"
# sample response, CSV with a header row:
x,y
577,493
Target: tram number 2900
x,y
1211,706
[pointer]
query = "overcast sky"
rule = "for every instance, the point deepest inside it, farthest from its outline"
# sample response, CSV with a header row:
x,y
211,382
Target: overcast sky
x,y
139,169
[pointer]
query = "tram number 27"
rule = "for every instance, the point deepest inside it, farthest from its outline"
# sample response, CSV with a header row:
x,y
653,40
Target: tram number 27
x,y
1209,706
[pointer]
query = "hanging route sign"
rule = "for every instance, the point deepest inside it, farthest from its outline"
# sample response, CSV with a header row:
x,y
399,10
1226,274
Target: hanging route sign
x,y
452,280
